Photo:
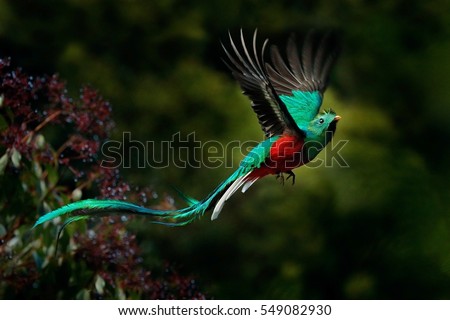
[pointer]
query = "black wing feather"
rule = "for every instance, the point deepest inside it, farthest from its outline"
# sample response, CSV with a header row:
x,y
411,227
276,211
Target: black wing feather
x,y
249,70
311,73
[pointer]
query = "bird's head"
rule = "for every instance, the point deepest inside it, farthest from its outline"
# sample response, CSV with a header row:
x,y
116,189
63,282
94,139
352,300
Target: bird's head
x,y
322,123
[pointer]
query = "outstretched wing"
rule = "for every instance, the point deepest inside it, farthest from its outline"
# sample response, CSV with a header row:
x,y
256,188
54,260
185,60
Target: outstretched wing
x,y
301,83
249,70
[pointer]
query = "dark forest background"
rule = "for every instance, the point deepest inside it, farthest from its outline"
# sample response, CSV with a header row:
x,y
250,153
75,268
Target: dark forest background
x,y
379,229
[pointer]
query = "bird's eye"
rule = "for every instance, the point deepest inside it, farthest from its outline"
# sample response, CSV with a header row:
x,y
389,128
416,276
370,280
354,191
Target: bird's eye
x,y
321,121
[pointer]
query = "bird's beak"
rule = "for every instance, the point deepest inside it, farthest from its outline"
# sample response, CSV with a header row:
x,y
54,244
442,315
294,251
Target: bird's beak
x,y
337,118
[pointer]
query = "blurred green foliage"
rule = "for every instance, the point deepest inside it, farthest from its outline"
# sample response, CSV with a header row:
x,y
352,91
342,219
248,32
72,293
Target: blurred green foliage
x,y
378,229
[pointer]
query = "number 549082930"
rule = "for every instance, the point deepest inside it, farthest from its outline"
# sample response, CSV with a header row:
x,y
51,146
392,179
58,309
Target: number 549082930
x,y
296,310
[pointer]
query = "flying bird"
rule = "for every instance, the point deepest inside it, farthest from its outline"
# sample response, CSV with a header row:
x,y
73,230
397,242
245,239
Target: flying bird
x,y
286,96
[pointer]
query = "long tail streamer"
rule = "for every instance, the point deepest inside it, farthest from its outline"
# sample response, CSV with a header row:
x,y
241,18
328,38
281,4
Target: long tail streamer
x,y
92,207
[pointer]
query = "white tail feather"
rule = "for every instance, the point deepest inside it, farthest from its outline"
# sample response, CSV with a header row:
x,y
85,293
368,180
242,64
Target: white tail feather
x,y
248,184
231,189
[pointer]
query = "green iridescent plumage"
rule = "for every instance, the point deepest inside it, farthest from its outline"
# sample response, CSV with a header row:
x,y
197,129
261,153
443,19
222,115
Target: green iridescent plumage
x,y
302,106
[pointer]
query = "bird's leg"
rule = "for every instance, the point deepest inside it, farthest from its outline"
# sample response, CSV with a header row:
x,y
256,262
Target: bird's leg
x,y
291,175
280,177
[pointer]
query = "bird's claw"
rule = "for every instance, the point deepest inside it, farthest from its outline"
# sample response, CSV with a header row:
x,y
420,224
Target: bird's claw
x,y
280,176
291,175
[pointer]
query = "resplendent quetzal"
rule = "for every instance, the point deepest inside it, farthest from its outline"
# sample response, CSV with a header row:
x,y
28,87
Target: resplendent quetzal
x,y
286,99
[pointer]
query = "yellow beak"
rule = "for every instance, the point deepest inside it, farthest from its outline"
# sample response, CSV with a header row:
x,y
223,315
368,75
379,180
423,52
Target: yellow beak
x,y
337,118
